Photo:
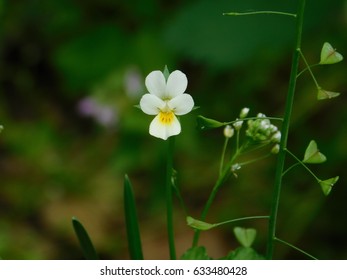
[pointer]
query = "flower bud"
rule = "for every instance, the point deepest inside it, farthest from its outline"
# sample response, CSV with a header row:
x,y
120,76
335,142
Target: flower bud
x,y
238,124
235,168
244,112
276,138
273,128
228,131
275,149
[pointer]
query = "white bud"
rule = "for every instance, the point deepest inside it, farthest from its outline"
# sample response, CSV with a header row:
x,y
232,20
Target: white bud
x,y
265,124
235,167
244,112
273,128
228,131
275,149
276,138
261,115
238,125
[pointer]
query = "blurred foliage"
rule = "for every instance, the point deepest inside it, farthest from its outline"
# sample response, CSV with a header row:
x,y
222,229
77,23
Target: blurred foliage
x,y
60,157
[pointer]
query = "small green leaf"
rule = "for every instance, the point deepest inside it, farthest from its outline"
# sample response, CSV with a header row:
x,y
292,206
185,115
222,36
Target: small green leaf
x,y
329,55
84,240
132,225
313,155
244,253
206,123
324,94
328,184
196,253
245,236
200,225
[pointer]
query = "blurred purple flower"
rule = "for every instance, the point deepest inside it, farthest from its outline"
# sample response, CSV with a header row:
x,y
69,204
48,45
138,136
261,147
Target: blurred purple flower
x,y
102,114
87,107
133,82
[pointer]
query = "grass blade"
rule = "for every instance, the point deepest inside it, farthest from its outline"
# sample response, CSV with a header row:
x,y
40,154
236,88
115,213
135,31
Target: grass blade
x,y
84,240
132,225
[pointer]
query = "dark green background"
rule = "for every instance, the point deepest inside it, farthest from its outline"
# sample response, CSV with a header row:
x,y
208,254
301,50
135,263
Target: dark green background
x,y
55,163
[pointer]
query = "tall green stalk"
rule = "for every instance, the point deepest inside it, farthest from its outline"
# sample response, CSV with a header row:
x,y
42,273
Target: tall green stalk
x,y
285,131
169,212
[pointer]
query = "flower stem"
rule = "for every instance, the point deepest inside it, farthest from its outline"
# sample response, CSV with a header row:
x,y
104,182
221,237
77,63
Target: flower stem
x,y
295,248
290,168
303,164
258,13
240,219
221,179
285,131
223,155
305,69
309,69
169,212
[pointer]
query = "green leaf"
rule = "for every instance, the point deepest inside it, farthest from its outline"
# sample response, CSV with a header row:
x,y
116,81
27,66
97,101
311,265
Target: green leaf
x,y
324,94
84,240
328,184
245,236
196,253
329,55
200,225
313,155
166,72
244,253
132,226
206,123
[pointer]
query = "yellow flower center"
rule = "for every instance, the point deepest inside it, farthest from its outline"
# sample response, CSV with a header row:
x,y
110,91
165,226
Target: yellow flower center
x,y
166,117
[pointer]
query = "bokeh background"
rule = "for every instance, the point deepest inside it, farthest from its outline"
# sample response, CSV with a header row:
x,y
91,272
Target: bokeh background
x,y
71,72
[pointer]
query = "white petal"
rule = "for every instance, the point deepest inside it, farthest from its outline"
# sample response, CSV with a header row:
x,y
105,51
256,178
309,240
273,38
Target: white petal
x,y
176,84
181,104
150,104
155,83
160,130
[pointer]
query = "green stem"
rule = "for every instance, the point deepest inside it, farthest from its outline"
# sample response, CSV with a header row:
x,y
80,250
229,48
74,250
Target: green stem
x,y
253,118
285,131
296,248
223,155
169,212
303,164
290,168
304,70
258,13
240,219
254,160
237,139
308,67
221,179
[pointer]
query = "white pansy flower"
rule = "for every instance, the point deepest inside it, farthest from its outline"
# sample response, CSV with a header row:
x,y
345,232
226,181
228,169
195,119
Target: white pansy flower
x,y
166,100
